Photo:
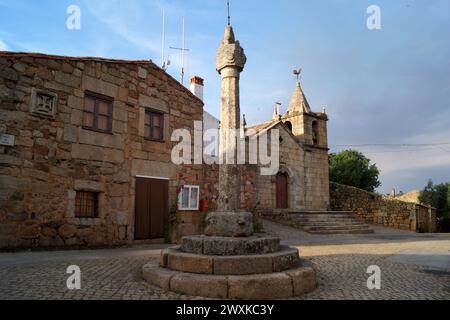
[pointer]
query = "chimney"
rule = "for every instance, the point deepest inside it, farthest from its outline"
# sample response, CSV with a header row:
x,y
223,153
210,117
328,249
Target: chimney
x,y
276,111
197,87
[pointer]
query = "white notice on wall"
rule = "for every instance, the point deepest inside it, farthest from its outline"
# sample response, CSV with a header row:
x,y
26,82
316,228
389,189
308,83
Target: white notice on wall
x,y
6,139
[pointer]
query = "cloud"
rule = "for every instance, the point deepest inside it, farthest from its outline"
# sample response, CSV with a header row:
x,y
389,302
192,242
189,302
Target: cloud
x,y
124,22
3,46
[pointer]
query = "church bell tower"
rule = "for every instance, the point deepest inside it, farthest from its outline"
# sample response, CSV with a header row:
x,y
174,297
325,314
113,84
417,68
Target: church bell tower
x,y
308,126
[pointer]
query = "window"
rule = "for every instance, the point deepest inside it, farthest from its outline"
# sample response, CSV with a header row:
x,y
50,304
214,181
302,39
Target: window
x,y
189,198
288,125
97,114
315,132
154,126
86,204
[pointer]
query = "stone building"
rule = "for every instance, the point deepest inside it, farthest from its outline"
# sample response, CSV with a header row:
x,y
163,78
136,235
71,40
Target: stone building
x,y
85,154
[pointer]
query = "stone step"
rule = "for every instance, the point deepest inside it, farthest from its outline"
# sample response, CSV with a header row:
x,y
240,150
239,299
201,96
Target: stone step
x,y
320,212
322,216
343,231
332,224
326,222
330,228
277,285
225,246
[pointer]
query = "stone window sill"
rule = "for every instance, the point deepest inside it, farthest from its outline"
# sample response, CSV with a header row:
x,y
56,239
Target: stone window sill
x,y
88,221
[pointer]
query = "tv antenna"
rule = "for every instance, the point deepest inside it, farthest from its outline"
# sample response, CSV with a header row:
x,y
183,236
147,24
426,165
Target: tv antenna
x,y
297,74
164,63
183,51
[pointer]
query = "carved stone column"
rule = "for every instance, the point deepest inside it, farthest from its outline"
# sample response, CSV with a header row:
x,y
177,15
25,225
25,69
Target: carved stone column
x,y
228,221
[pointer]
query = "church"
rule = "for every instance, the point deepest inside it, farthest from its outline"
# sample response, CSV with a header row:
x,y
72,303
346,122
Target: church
x,y
302,181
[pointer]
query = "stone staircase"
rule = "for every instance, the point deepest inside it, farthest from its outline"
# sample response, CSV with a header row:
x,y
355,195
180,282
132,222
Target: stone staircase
x,y
323,222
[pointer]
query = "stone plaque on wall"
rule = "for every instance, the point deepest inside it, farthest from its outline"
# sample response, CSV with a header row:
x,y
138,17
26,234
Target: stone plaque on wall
x,y
43,103
6,139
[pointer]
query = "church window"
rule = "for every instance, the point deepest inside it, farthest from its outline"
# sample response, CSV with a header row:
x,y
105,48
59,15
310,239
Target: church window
x,y
288,125
315,132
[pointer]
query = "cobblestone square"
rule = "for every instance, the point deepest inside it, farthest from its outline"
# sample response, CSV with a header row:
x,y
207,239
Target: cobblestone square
x,y
413,266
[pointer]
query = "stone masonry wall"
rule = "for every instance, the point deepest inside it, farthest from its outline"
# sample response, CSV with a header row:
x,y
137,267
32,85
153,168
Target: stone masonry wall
x,y
52,158
376,209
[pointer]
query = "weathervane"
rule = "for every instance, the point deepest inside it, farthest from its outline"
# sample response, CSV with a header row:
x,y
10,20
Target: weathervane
x,y
297,74
228,6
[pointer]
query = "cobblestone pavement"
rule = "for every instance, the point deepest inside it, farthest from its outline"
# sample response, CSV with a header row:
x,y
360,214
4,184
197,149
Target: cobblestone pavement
x,y
341,262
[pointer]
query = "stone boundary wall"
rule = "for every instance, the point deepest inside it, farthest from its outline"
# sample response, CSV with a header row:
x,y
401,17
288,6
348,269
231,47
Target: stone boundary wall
x,y
377,209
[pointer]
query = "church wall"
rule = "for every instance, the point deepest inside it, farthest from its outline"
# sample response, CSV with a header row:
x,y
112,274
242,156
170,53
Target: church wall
x,y
290,155
316,191
307,169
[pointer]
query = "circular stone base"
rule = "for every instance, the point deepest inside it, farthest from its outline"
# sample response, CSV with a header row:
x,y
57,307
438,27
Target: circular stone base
x,y
280,285
227,246
285,259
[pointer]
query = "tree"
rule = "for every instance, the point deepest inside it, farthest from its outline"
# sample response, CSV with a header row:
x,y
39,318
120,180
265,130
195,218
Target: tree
x,y
437,196
352,168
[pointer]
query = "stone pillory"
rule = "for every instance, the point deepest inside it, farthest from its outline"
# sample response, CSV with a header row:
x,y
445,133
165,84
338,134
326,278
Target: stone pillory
x,y
230,61
229,261
228,221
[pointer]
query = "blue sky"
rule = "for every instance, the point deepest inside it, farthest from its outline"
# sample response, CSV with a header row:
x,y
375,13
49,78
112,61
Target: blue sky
x,y
388,86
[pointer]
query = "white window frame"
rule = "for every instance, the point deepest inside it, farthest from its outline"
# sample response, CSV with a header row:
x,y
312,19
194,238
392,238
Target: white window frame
x,y
180,198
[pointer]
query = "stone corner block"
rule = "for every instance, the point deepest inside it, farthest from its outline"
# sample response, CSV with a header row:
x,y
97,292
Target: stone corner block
x,y
187,262
242,265
164,255
261,286
157,276
286,259
192,244
200,285
303,280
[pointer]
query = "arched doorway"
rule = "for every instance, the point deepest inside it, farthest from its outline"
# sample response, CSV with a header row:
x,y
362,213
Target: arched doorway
x,y
282,191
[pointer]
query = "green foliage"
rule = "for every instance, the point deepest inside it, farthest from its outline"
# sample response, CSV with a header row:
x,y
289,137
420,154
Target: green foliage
x,y
437,196
352,168
203,216
173,220
258,226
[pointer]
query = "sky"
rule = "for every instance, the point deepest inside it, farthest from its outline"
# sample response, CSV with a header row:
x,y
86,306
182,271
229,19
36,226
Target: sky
x,y
386,91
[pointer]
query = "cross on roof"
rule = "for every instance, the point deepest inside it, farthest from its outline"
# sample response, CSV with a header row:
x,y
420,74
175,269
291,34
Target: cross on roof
x,y
228,6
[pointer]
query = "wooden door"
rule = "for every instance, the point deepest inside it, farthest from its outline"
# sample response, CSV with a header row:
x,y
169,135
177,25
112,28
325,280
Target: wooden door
x,y
152,208
282,191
